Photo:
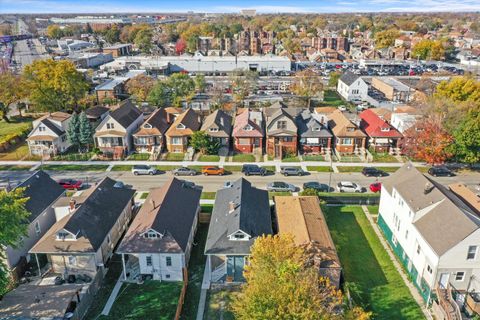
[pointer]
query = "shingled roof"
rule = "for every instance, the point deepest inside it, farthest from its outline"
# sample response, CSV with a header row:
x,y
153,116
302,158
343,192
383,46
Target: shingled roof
x,y
189,119
348,78
156,124
218,119
126,113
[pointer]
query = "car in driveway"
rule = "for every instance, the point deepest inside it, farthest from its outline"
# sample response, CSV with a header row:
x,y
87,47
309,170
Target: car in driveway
x,y
373,172
253,170
279,186
144,169
317,186
376,187
213,171
292,171
70,184
348,186
183,171
440,171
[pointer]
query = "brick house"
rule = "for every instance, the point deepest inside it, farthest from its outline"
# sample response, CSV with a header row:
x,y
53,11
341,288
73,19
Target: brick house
x,y
181,130
248,132
281,134
383,137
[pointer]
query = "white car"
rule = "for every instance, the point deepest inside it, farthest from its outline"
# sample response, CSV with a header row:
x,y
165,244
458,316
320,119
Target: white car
x,y
342,108
347,186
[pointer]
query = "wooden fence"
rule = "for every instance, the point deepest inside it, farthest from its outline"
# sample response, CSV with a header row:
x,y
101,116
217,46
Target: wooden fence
x,y
86,298
181,299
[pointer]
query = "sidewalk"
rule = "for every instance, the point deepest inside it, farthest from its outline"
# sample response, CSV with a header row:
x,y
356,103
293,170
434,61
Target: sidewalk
x,y
113,296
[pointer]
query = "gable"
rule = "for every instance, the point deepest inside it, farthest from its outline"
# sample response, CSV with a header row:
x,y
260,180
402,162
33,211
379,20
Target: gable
x,y
42,130
106,125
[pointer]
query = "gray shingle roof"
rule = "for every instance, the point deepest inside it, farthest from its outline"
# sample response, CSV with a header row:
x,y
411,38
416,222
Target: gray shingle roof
x,y
126,113
306,122
218,119
251,215
348,78
53,127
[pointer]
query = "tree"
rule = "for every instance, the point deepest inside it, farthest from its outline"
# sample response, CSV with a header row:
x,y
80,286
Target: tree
x,y
180,46
281,284
181,87
73,131
159,95
11,90
467,138
54,85
200,83
242,84
201,142
428,49
459,89
54,32
13,226
85,130
386,38
143,39
333,80
307,84
112,35
140,86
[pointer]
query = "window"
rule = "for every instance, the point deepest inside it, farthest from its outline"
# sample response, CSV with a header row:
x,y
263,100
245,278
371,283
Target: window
x,y
406,234
177,140
151,235
149,261
346,141
282,124
244,141
459,276
239,236
385,129
64,138
394,240
41,129
418,249
429,269
472,252
168,261
167,276
316,128
248,128
213,129
181,126
110,125
350,129
72,260
37,228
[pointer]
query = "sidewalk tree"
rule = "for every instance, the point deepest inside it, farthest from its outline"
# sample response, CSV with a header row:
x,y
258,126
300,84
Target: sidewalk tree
x,y
11,90
140,86
73,131
13,226
54,85
54,32
85,131
202,143
307,84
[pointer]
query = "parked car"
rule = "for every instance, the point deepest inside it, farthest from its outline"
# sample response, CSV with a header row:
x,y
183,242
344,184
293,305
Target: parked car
x,y
70,184
279,186
184,171
347,186
376,187
342,108
144,169
440,171
317,186
253,169
213,170
373,172
292,171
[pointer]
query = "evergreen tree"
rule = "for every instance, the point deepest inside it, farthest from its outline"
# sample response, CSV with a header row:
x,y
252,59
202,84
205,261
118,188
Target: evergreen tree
x,y
85,130
73,130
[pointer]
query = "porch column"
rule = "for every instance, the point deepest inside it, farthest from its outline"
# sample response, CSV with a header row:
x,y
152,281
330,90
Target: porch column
x,y
38,266
124,270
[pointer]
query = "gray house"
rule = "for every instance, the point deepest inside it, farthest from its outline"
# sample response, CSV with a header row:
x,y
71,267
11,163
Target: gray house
x,y
240,215
218,126
314,136
42,191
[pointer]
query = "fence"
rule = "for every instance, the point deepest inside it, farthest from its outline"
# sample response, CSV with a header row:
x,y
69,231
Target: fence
x,y
350,199
87,297
181,299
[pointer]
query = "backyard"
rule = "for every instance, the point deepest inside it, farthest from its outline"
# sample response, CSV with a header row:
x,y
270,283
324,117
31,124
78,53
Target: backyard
x,y
369,273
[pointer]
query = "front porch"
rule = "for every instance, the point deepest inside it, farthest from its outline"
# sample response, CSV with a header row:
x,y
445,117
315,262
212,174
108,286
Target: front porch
x,y
384,145
280,147
225,269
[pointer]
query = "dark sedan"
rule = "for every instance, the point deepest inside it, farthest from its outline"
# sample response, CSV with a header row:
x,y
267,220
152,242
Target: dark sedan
x,y
373,172
317,186
440,172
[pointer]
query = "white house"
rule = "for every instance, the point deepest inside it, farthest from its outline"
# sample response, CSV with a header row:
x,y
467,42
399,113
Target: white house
x,y
159,240
48,136
434,232
352,87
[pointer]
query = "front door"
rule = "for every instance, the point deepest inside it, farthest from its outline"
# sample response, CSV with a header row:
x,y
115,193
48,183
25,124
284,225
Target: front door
x,y
444,280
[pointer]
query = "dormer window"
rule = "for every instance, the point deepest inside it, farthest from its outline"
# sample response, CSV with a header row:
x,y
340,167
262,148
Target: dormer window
x,y
151,234
64,236
213,129
248,128
110,126
316,129
350,129
181,126
239,236
147,126
385,129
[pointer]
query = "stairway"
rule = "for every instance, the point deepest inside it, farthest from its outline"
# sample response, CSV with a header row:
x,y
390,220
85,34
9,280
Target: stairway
x,y
448,304
218,273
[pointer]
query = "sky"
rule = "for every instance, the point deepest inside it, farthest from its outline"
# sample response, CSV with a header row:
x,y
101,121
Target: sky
x,y
223,6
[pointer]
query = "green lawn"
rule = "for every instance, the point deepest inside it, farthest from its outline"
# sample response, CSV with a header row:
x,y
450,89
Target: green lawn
x,y
233,168
383,157
173,156
206,208
139,156
208,195
144,196
423,169
150,300
14,168
291,159
351,158
360,168
74,167
243,157
279,193
270,168
14,127
313,158
209,158
319,168
219,303
122,167
367,265
331,98
15,153
373,210
72,155
196,266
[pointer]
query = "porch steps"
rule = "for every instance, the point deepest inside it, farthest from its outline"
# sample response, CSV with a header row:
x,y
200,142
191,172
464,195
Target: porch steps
x,y
113,296
218,273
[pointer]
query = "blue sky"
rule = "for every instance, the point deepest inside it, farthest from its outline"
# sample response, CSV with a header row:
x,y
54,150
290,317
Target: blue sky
x,y
263,6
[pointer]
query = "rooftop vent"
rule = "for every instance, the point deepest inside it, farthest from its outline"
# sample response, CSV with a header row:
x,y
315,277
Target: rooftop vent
x,y
428,188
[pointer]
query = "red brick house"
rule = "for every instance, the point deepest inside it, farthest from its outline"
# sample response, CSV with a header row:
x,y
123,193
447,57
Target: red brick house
x,y
383,137
248,132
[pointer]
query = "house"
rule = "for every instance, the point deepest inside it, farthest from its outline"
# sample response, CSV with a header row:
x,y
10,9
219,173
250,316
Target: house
x,y
218,126
403,118
382,136
150,137
347,137
179,133
159,240
111,89
393,89
435,235
315,138
96,114
248,132
352,87
303,218
41,191
49,136
118,50
87,228
113,136
241,214
281,132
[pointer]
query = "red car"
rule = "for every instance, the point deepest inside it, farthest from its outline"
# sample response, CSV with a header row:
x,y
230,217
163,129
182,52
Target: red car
x,y
376,187
70,184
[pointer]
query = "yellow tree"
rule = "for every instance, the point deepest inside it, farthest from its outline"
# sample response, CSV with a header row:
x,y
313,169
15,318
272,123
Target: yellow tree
x,y
140,86
307,84
11,90
54,32
386,38
459,89
428,49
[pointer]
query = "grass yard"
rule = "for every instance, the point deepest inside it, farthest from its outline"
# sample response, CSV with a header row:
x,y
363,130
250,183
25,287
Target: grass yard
x,y
331,98
313,158
208,195
150,300
122,167
15,126
383,157
351,158
319,168
423,169
206,208
209,158
144,196
74,167
218,303
14,168
291,159
360,168
270,168
243,157
279,193
373,210
196,266
71,155
166,168
174,156
139,156
367,265
18,153
233,168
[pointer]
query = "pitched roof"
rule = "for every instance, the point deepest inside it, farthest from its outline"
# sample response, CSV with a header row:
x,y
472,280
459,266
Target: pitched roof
x,y
189,119
170,211
57,116
277,115
348,78
50,125
467,195
218,119
156,124
375,126
96,111
308,123
248,117
342,127
41,191
250,215
91,221
126,113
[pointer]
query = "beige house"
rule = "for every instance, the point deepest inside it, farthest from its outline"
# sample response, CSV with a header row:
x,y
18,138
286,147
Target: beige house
x,y
87,229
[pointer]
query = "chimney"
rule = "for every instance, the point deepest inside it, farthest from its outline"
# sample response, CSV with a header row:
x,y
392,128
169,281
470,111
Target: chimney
x,y
428,187
231,207
72,204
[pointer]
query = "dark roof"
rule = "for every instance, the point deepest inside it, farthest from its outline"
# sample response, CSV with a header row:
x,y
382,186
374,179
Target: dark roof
x,y
96,112
170,211
348,78
53,127
126,113
251,215
218,119
41,191
306,122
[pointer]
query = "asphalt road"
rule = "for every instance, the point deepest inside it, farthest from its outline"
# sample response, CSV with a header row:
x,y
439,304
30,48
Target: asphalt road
x,y
213,183
24,55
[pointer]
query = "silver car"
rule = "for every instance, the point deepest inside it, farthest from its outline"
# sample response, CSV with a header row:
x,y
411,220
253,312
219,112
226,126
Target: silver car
x,y
184,171
279,186
347,186
144,169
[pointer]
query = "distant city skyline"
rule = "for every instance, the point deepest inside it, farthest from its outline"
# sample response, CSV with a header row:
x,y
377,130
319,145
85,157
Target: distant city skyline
x,y
217,6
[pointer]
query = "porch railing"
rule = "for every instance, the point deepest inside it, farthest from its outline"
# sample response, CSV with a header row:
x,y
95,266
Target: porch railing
x,y
218,273
448,304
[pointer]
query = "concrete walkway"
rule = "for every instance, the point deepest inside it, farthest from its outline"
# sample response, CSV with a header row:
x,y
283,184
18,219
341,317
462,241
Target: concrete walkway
x,y
413,290
113,296
203,293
